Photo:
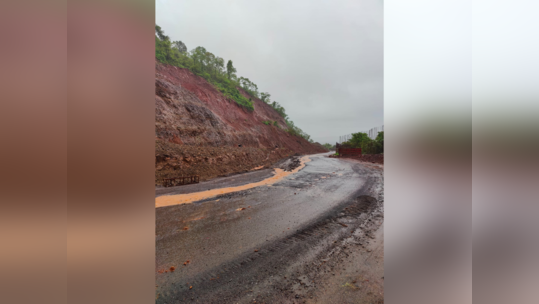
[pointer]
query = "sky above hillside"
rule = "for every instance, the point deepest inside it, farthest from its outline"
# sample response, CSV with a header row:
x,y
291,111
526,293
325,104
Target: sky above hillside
x,y
321,60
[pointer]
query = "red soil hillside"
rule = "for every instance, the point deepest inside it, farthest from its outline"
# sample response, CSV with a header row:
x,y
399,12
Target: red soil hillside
x,y
199,131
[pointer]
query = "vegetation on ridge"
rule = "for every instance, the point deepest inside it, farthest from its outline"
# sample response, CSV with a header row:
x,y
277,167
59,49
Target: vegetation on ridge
x,y
212,68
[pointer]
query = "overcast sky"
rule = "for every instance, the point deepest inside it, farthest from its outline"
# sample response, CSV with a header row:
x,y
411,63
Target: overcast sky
x,y
321,60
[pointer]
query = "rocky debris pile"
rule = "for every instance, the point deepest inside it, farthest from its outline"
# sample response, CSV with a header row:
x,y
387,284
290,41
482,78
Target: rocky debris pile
x,y
289,164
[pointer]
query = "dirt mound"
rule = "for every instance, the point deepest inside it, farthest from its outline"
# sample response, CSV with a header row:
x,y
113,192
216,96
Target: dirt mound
x,y
289,164
201,132
319,145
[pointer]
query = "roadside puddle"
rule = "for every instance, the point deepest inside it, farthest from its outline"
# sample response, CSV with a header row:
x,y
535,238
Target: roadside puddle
x,y
178,199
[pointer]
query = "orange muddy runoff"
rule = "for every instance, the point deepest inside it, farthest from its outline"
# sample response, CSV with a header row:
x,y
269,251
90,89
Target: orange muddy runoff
x,y
170,200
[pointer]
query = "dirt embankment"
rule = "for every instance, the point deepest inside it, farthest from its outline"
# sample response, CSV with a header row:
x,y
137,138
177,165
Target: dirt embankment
x,y
201,132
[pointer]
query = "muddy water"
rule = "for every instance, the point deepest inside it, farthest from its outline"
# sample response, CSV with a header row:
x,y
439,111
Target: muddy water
x,y
279,174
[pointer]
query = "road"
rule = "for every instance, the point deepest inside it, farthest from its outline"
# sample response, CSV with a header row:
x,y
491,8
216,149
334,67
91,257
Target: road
x,y
315,236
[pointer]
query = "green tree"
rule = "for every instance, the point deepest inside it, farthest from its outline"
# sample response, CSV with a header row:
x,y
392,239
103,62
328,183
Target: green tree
x,y
249,86
265,97
159,32
357,139
380,141
230,69
369,146
209,61
219,65
180,46
198,54
277,107
380,137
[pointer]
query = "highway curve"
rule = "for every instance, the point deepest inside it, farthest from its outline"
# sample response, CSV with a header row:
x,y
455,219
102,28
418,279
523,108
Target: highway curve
x,y
315,236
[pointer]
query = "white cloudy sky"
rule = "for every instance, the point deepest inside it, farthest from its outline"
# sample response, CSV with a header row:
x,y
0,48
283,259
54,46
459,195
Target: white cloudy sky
x,y
321,60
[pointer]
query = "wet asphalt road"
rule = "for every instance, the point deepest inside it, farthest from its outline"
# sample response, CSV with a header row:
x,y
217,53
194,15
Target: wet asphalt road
x,y
239,256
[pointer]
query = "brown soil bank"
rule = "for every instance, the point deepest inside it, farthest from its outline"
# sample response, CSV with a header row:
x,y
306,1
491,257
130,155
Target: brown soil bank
x,y
201,132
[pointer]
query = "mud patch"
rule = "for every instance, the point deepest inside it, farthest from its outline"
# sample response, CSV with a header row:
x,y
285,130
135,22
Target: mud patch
x,y
279,174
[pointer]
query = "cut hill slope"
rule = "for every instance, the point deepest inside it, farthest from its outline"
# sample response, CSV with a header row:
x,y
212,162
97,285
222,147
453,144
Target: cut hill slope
x,y
201,132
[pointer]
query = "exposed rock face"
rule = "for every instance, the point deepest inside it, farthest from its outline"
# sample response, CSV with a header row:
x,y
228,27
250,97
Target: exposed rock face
x,y
200,132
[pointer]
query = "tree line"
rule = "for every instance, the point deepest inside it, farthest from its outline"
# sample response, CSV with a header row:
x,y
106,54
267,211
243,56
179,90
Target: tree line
x,y
367,145
329,146
223,76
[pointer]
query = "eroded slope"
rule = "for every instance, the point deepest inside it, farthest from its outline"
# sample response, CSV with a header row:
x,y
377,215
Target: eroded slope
x,y
201,132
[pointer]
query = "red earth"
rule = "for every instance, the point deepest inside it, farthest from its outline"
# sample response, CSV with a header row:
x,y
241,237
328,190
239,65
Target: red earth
x,y
201,132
